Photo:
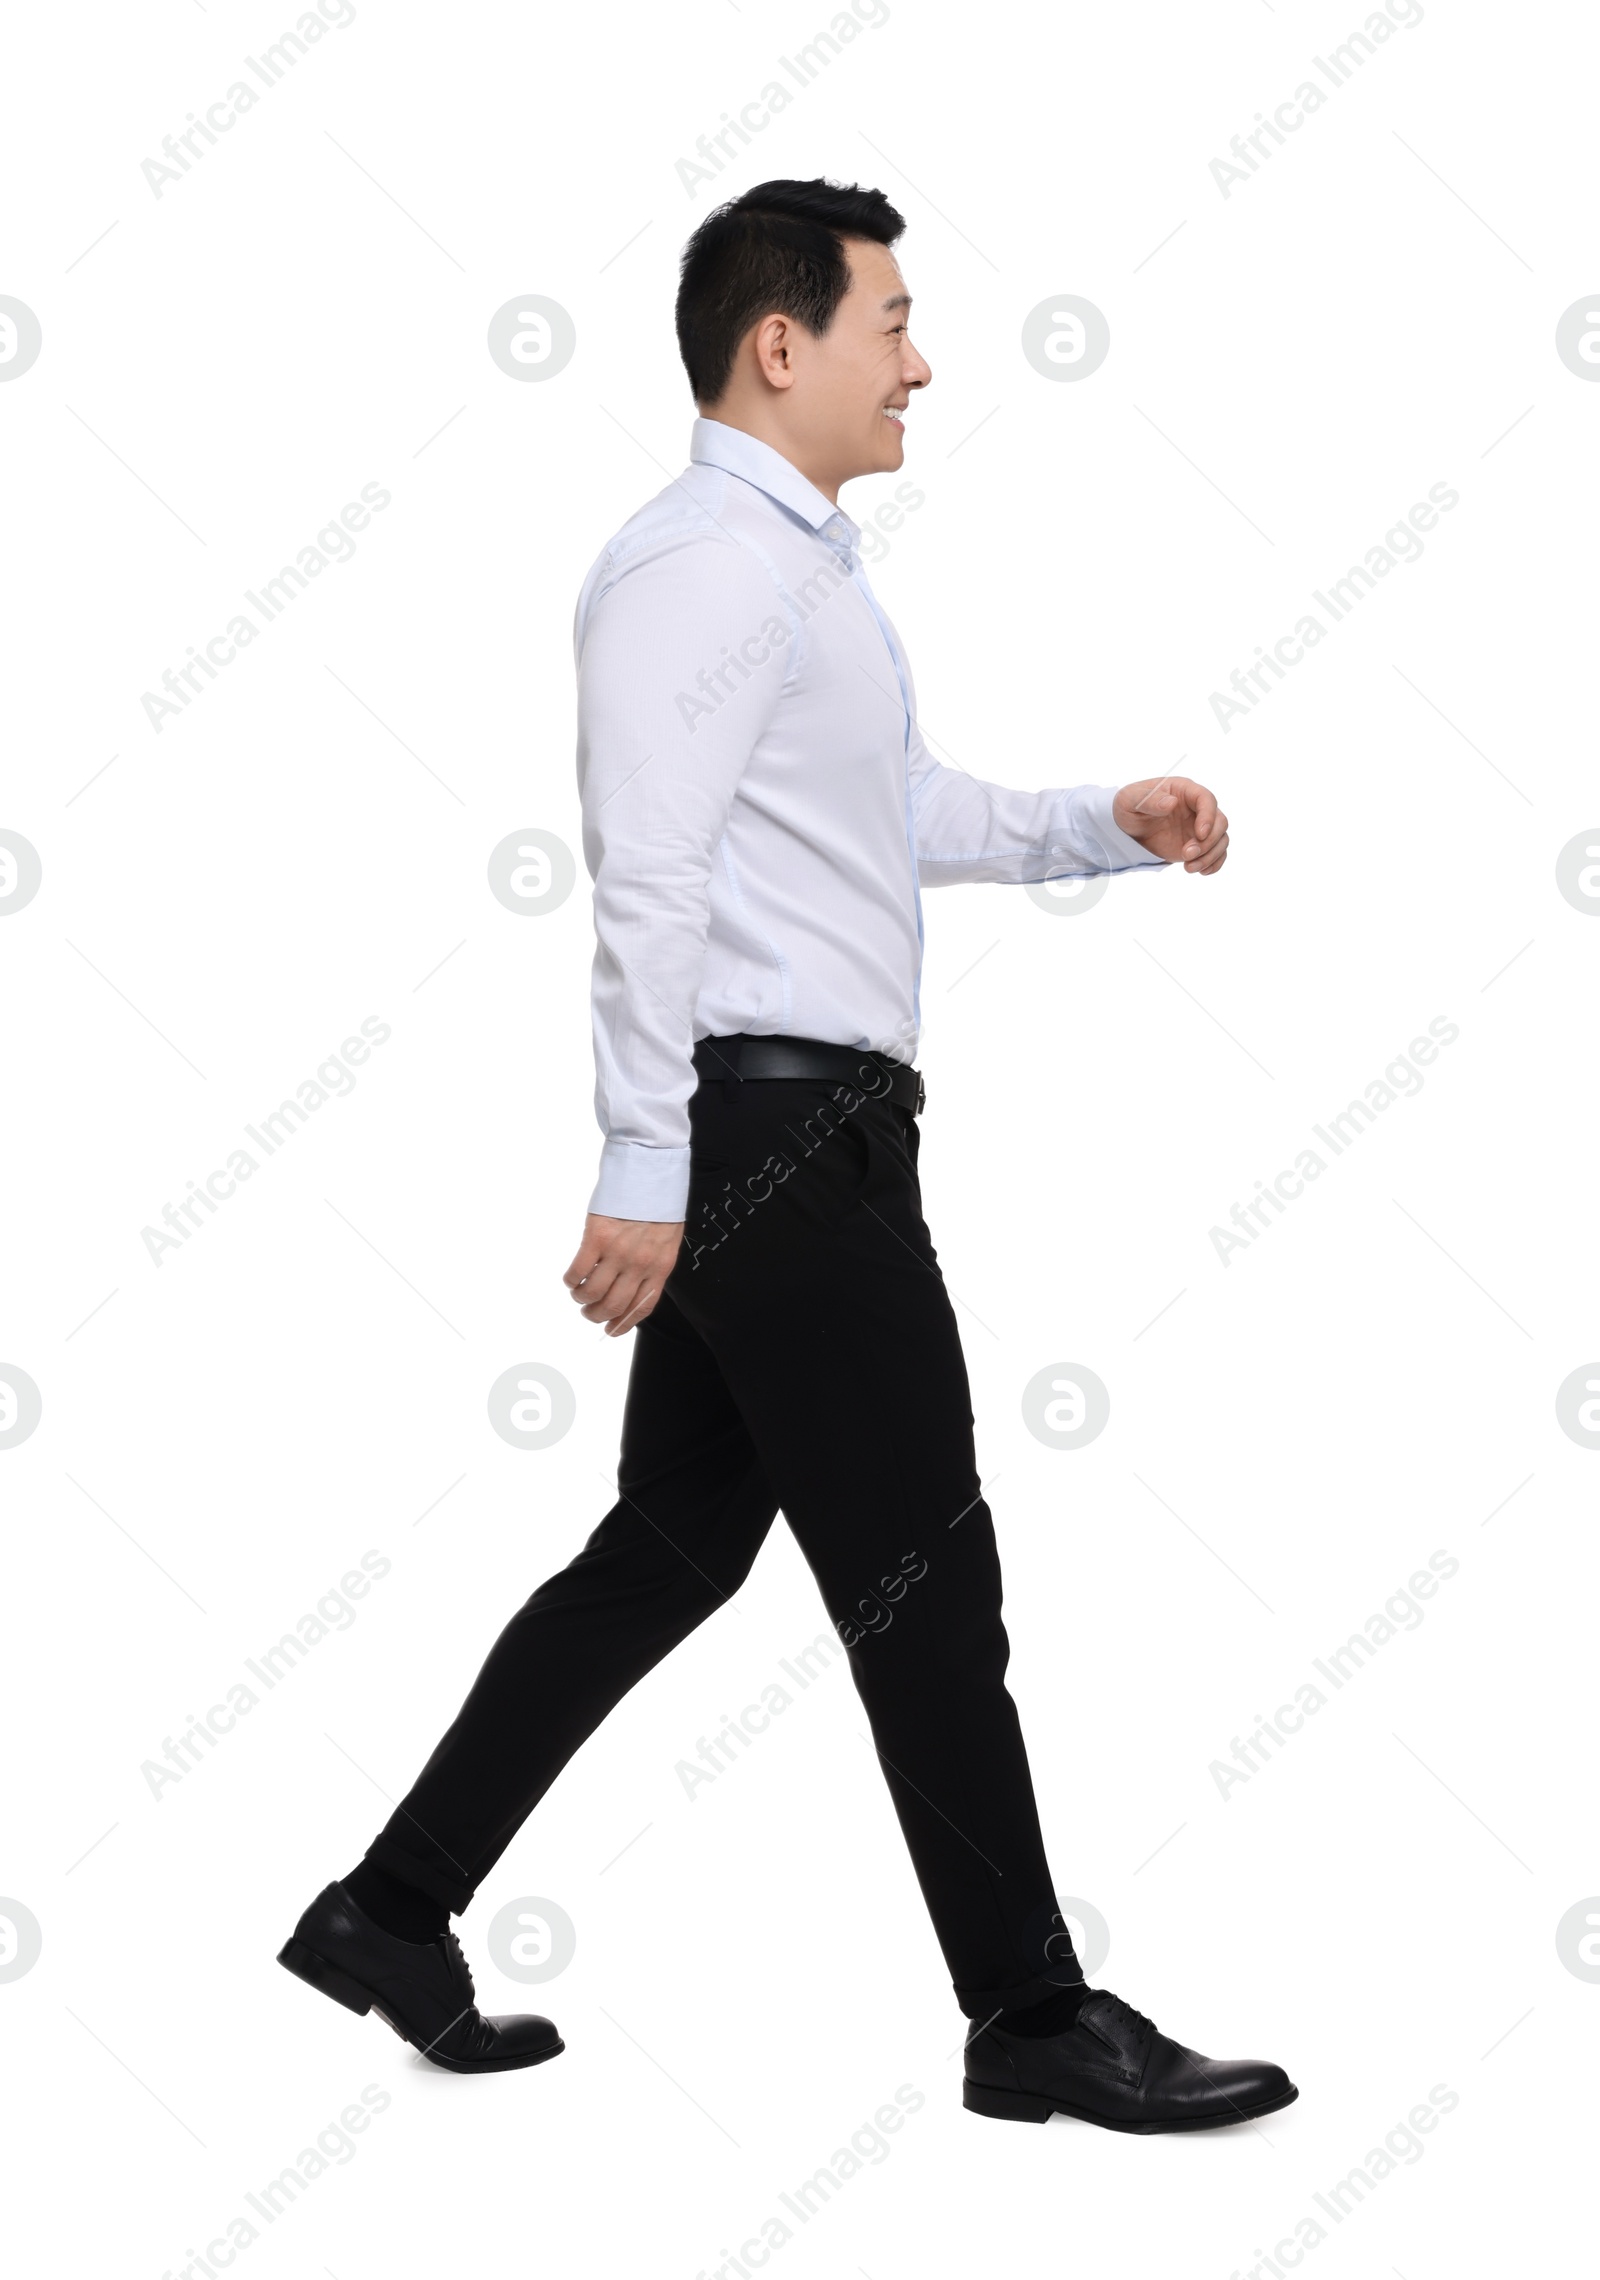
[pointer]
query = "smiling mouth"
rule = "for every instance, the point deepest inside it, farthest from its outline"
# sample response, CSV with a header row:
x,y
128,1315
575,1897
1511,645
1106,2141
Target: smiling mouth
x,y
895,413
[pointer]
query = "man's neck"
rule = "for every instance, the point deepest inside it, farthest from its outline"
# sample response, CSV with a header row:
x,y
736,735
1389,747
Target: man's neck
x,y
735,417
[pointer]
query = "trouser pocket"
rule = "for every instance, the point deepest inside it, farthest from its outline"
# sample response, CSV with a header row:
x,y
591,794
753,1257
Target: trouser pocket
x,y
778,1165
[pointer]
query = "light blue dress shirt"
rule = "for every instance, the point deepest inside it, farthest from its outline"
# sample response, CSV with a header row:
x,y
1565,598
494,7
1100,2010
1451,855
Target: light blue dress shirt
x,y
759,809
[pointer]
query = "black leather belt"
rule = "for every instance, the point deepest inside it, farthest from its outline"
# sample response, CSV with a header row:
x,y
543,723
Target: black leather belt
x,y
743,1059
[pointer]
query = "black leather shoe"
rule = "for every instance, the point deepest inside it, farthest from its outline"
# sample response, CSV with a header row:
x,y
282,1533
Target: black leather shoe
x,y
421,1989
1114,2066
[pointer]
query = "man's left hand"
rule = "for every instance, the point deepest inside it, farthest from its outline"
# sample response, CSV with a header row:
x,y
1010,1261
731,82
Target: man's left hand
x,y
1176,819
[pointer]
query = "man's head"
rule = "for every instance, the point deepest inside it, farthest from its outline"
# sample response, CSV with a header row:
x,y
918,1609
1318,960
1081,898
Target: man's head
x,y
793,323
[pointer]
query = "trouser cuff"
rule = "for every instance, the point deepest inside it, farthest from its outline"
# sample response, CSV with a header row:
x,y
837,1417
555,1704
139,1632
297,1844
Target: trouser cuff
x,y
428,1876
1018,1995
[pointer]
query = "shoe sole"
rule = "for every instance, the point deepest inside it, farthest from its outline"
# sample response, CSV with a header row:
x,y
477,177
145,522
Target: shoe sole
x,y
1025,2106
329,1980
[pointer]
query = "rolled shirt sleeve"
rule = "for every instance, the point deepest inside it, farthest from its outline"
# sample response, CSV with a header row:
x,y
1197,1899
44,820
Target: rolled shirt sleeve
x,y
676,684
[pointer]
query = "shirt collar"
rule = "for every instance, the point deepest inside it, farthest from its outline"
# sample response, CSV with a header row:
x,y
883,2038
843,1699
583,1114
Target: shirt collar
x,y
714,444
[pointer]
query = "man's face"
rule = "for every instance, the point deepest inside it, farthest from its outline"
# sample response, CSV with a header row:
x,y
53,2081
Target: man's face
x,y
852,383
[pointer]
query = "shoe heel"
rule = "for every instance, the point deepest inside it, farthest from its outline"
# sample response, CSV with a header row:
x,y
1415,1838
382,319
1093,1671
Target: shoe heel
x,y
1005,2105
306,1964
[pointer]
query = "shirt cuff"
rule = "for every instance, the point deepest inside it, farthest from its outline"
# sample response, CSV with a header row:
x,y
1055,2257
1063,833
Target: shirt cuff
x,y
1088,826
641,1183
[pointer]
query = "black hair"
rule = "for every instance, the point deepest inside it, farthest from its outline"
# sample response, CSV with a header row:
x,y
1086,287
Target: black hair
x,y
775,250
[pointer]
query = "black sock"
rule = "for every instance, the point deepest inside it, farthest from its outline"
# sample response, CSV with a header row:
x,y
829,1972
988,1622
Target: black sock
x,y
1051,2017
397,1908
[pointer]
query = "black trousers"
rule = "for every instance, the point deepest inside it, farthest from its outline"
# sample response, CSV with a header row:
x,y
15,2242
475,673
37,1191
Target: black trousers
x,y
804,1356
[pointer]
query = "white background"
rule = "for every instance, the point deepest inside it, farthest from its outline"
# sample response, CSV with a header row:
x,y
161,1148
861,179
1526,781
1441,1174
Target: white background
x,y
1291,1434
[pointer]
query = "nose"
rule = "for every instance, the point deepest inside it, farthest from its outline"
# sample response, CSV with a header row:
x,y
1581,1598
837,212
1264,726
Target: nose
x,y
915,370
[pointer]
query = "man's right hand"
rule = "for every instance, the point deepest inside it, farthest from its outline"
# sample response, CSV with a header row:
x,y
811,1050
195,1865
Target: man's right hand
x,y
621,1269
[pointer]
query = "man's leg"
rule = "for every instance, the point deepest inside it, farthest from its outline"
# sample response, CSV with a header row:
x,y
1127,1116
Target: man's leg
x,y
821,1297
816,1286
693,1508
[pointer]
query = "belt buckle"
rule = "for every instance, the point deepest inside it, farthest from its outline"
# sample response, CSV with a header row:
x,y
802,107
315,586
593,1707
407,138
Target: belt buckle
x,y
922,1095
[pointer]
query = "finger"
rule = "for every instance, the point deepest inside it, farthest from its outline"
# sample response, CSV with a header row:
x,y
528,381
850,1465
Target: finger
x,y
1161,799
1197,854
1212,860
616,1301
1205,812
624,1295
1208,834
583,1261
596,1297
583,1291
636,1313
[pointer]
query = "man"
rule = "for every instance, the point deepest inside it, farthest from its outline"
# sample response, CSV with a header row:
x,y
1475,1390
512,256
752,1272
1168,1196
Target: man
x,y
760,812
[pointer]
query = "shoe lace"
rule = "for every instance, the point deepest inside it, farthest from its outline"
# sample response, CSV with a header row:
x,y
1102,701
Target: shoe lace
x,y
1127,2013
454,1947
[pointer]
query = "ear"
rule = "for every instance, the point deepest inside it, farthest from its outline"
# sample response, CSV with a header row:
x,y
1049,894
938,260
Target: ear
x,y
773,346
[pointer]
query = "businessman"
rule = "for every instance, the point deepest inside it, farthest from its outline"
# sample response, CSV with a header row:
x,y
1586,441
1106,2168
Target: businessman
x,y
760,815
